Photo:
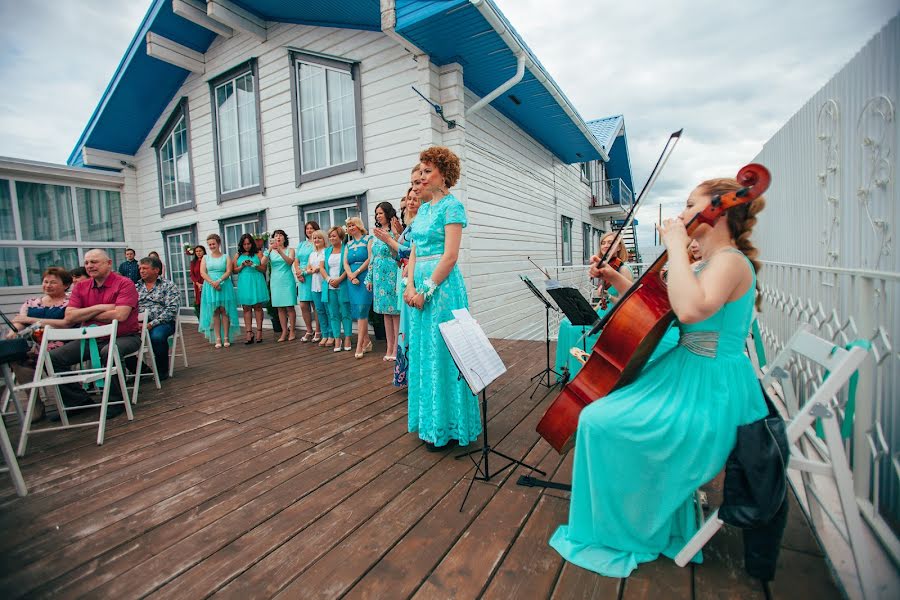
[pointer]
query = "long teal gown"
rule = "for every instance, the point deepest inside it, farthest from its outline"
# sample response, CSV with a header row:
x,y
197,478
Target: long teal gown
x,y
384,273
282,282
251,286
642,451
441,405
304,288
211,299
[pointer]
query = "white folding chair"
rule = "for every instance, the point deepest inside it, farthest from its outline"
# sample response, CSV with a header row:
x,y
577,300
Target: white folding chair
x,y
145,350
46,377
176,339
12,465
829,460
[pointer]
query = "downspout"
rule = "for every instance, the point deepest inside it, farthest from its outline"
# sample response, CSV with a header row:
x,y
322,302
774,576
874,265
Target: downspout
x,y
489,12
520,72
389,24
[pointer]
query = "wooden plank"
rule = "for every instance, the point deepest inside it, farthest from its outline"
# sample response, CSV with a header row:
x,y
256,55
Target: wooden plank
x,y
802,575
721,575
575,582
661,578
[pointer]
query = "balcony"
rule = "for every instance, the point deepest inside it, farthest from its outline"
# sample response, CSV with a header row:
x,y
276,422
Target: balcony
x,y
610,198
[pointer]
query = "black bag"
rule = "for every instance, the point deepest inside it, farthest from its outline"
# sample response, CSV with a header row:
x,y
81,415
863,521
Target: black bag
x,y
13,350
755,490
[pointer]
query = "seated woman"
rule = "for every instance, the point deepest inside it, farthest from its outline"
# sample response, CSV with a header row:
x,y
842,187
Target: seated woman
x,y
642,450
570,336
47,309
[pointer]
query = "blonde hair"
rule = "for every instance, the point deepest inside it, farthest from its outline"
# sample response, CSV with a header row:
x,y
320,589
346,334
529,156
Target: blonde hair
x,y
359,224
340,232
319,234
621,251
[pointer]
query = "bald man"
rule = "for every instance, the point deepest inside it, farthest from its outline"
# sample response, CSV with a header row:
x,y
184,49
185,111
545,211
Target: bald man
x,y
103,297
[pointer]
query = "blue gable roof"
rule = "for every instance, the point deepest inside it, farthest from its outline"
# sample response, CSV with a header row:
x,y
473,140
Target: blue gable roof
x,y
610,132
448,30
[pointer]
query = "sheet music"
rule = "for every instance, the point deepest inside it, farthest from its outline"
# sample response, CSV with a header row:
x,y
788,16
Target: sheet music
x,y
471,349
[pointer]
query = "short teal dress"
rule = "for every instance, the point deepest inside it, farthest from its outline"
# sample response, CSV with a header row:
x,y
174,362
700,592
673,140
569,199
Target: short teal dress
x,y
282,282
441,405
642,451
304,288
251,287
211,299
360,295
384,272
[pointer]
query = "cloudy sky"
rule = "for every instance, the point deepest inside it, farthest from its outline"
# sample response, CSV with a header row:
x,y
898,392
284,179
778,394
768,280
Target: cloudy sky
x,y
730,73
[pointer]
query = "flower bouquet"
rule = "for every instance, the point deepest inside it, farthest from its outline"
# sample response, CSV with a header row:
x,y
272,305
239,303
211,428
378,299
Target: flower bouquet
x,y
189,249
261,239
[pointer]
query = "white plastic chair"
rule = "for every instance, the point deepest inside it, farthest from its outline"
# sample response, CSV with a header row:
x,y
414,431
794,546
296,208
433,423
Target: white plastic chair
x,y
12,465
46,377
176,339
823,404
145,350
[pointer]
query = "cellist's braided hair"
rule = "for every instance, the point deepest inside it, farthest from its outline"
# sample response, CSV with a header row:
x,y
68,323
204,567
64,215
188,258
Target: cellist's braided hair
x,y
741,220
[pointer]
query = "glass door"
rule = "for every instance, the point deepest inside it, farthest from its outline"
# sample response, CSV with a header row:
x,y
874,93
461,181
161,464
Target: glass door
x,y
179,264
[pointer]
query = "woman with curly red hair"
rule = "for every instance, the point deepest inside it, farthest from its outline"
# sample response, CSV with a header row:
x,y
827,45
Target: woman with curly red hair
x,y
642,450
442,408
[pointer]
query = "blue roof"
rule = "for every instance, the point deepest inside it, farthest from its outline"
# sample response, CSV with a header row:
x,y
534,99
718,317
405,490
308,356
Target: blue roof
x,y
610,132
448,30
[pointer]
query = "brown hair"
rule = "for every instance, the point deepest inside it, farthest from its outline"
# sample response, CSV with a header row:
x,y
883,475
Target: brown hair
x,y
621,251
741,220
214,236
60,273
445,161
340,231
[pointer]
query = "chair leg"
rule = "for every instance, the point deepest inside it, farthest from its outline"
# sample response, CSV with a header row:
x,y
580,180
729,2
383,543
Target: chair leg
x,y
695,544
120,373
11,462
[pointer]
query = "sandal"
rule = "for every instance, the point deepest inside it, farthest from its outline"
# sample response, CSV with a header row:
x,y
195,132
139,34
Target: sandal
x,y
249,339
324,342
259,337
368,347
317,338
292,337
306,337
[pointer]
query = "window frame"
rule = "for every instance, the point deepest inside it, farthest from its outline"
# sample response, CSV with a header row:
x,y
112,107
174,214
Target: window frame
x,y
564,221
316,206
259,216
252,67
586,241
352,67
180,111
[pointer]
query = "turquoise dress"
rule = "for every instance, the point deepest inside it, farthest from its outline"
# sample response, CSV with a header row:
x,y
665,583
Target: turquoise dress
x,y
211,299
360,296
441,405
251,287
642,451
304,289
384,279
283,282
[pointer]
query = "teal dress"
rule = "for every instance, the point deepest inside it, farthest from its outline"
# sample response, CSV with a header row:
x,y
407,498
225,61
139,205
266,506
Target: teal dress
x,y
642,451
282,282
304,289
441,405
251,287
211,299
384,279
360,296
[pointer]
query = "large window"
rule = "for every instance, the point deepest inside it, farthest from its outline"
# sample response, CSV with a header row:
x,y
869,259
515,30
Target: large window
x,y
178,265
235,227
327,116
45,224
566,236
333,212
238,140
173,161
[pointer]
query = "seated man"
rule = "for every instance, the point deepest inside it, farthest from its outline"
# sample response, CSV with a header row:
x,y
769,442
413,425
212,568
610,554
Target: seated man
x,y
160,299
103,297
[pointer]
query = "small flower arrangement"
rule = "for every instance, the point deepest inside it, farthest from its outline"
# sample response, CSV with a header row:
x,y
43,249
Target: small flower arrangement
x,y
189,249
264,236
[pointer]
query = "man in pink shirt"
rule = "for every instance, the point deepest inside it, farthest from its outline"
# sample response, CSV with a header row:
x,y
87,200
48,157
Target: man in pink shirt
x,y
103,297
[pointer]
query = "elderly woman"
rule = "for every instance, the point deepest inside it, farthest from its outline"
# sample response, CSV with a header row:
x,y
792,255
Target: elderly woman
x,y
442,408
334,294
357,256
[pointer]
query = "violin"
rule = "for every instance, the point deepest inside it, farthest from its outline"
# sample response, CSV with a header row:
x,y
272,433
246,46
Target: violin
x,y
634,326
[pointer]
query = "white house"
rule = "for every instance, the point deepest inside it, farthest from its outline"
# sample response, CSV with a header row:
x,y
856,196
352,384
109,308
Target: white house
x,y
248,116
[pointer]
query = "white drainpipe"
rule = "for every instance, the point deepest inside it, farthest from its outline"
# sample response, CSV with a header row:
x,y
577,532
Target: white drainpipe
x,y
520,72
489,13
388,25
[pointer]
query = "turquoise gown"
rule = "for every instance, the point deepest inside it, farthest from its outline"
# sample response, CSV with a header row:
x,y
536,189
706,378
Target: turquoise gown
x,y
211,299
642,451
251,287
441,405
304,289
384,279
360,297
282,282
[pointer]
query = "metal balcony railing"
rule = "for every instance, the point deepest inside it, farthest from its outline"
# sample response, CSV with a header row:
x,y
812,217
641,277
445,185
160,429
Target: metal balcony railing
x,y
610,191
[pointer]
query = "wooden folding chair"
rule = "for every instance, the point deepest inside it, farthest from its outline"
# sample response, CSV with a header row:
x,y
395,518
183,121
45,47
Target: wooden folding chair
x,y
176,339
46,377
145,350
829,459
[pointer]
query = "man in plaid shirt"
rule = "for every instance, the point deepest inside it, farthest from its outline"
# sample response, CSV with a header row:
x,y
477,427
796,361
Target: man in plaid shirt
x,y
160,299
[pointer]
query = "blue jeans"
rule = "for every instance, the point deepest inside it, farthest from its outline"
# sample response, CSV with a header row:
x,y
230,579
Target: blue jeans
x,y
159,340
322,312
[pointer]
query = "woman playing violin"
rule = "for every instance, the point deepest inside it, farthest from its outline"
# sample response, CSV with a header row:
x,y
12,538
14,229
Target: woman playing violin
x,y
642,451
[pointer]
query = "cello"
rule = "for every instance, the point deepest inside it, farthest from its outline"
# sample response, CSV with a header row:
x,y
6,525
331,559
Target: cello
x,y
631,330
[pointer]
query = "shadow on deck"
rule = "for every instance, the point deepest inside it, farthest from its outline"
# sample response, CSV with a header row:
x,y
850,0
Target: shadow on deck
x,y
286,470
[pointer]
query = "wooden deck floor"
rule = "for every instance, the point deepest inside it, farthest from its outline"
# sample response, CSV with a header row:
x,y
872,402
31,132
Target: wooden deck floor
x,y
286,471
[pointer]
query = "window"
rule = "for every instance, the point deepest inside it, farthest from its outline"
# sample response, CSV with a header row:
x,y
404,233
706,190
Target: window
x,y
173,162
238,140
333,212
566,226
586,249
598,235
585,172
235,227
327,116
47,224
178,264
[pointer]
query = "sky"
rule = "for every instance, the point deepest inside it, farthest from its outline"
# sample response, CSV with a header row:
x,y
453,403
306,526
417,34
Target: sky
x,y
731,74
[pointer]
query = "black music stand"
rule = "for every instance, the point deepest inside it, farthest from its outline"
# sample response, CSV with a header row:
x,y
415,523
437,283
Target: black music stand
x,y
548,372
576,308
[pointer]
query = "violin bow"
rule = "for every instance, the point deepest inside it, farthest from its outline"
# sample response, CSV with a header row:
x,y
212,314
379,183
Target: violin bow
x,y
539,268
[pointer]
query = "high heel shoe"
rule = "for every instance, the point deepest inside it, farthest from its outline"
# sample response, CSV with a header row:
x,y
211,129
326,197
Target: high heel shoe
x,y
259,337
218,344
359,354
227,344
368,347
249,339
306,337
